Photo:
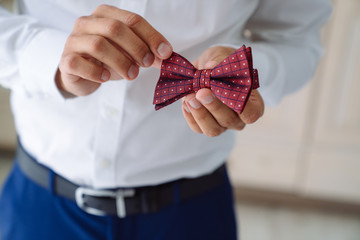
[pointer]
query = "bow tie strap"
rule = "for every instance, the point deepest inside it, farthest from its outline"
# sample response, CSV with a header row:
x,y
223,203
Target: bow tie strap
x,y
255,78
231,80
201,79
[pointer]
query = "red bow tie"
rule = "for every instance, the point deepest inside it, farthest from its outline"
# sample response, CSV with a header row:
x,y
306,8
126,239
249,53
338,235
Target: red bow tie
x,y
231,81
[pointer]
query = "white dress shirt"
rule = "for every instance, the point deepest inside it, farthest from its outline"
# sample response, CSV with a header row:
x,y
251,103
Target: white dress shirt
x,y
114,137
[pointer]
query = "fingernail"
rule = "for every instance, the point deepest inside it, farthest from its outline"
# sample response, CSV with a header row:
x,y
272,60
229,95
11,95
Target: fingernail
x,y
194,103
207,99
133,71
105,75
148,59
164,50
186,108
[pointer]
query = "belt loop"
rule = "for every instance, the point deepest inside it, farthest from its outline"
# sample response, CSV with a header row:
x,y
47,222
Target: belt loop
x,y
176,193
51,182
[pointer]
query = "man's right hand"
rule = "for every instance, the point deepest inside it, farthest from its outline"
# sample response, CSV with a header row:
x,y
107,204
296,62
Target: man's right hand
x,y
109,44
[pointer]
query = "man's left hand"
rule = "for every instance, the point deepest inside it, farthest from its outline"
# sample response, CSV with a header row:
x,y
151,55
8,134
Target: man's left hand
x,y
206,114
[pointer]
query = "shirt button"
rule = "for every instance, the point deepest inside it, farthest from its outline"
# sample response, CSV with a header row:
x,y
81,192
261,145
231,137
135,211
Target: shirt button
x,y
106,163
111,112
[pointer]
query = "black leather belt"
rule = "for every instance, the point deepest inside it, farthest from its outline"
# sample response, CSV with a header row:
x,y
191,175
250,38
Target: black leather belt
x,y
121,201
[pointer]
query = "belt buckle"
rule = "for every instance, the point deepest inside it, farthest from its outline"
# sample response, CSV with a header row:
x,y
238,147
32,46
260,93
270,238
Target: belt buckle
x,y
119,195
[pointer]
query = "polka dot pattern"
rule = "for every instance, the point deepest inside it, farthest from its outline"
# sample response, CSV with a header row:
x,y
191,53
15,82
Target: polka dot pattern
x,y
231,80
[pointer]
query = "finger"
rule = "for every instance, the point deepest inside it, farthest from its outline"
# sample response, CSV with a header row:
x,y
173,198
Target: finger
x,y
156,42
80,87
80,76
76,65
157,63
99,48
254,108
119,34
224,115
208,125
190,119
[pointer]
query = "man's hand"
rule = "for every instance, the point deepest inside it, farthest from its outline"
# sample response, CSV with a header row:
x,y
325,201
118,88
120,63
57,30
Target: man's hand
x,y
109,44
206,114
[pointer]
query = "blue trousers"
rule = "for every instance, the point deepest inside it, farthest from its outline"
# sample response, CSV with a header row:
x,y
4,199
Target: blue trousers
x,y
30,212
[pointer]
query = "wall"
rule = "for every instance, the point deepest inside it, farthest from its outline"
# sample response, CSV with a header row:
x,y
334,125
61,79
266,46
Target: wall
x,y
310,144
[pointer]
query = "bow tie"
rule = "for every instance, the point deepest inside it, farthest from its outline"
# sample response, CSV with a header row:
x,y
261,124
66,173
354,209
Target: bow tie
x,y
231,81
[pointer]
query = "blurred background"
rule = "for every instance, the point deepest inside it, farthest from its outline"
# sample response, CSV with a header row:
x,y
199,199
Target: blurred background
x,y
296,172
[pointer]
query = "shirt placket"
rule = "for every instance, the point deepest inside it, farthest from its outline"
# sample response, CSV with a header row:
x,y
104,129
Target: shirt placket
x,y
107,132
108,128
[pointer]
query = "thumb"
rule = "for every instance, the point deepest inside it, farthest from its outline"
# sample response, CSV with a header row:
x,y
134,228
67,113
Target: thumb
x,y
213,56
212,61
209,61
211,64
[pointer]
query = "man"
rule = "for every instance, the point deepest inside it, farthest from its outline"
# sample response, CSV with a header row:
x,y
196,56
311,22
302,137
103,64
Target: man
x,y
95,161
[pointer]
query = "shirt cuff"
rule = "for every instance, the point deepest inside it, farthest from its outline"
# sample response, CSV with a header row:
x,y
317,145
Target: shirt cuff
x,y
39,61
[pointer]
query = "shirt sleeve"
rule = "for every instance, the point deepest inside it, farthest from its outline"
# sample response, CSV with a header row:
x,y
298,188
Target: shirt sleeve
x,y
285,38
30,54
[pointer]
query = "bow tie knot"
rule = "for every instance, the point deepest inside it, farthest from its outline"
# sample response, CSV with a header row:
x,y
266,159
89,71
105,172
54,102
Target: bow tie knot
x,y
201,79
